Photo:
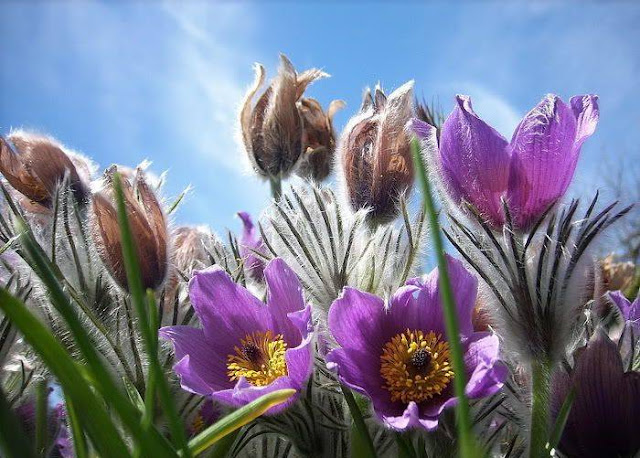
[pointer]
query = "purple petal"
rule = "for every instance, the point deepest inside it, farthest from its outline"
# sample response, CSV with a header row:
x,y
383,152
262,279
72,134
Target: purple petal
x,y
244,392
585,109
250,242
474,161
357,321
624,305
410,418
201,369
228,311
427,312
284,296
543,160
300,361
487,372
606,393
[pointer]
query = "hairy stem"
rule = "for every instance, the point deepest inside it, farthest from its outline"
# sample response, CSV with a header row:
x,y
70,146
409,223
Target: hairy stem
x,y
540,397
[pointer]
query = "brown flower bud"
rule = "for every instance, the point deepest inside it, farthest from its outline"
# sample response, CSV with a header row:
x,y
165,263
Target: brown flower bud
x,y
375,153
36,165
148,229
189,250
272,126
318,138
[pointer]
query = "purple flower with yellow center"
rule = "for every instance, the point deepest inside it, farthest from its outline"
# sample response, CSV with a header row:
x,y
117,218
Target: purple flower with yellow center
x,y
480,167
245,348
398,355
251,242
604,417
630,311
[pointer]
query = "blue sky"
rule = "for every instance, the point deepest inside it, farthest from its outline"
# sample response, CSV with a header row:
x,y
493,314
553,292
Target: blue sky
x,y
126,81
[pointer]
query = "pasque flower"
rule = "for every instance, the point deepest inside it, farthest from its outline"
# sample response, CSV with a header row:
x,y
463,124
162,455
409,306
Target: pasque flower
x,y
479,166
272,127
35,165
318,138
399,355
375,155
250,243
630,311
148,229
605,414
245,348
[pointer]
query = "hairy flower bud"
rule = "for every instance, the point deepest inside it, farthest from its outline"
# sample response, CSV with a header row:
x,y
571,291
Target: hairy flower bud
x,y
375,152
148,229
318,138
617,275
35,165
272,126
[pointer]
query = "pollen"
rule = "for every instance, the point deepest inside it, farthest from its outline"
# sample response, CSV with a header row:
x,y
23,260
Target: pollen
x,y
415,366
259,358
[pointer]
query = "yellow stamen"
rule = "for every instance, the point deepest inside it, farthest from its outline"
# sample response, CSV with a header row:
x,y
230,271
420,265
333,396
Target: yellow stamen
x,y
415,366
259,358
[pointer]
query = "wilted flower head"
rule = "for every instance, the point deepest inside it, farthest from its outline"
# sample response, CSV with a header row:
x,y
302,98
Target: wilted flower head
x,y
250,242
616,275
148,229
604,417
480,167
35,165
272,127
245,348
399,355
375,153
318,138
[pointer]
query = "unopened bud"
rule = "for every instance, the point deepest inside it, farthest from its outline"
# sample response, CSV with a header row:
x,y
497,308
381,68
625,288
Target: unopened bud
x,y
318,138
35,166
250,244
375,153
148,230
272,126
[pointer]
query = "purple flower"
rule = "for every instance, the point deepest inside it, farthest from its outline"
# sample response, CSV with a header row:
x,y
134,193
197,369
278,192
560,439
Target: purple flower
x,y
250,241
630,311
479,166
57,431
604,417
399,356
245,348
208,413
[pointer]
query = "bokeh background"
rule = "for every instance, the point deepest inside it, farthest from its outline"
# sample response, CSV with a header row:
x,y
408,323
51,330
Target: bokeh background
x,y
127,81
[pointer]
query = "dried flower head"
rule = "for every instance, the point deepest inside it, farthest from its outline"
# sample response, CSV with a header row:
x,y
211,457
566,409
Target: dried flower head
x,y
375,155
36,165
148,228
616,275
318,138
272,127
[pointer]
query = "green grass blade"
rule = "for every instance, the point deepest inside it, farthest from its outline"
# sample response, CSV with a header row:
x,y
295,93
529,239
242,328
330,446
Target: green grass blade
x,y
361,443
152,440
237,419
468,447
42,409
561,420
150,336
77,434
94,417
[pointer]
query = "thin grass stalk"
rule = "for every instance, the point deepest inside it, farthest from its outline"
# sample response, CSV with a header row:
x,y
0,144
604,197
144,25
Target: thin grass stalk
x,y
468,447
150,336
361,443
77,434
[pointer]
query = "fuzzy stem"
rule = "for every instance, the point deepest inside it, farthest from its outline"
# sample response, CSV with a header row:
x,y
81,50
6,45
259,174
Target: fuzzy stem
x,y
468,447
540,395
276,187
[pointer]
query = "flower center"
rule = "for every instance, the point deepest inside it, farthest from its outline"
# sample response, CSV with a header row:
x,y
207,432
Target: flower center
x,y
415,366
259,358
